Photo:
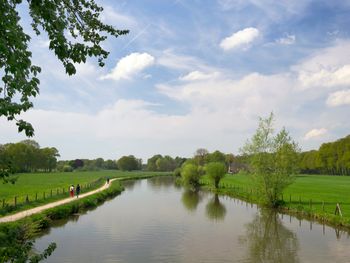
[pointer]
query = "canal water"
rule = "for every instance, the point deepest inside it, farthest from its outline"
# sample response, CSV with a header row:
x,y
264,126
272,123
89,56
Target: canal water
x,y
155,221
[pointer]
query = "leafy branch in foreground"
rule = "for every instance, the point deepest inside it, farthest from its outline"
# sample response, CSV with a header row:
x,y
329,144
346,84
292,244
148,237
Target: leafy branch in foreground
x,y
75,32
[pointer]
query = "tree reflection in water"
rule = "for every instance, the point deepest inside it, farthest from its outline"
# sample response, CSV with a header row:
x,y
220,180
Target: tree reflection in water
x,y
215,210
130,184
160,182
268,240
190,199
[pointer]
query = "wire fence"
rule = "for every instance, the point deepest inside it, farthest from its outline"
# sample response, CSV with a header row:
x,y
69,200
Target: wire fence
x,y
290,201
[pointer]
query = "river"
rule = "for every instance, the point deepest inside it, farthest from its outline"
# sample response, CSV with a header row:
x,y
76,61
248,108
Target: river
x,y
155,221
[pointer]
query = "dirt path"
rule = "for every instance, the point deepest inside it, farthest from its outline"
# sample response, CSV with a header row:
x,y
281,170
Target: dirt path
x,y
39,209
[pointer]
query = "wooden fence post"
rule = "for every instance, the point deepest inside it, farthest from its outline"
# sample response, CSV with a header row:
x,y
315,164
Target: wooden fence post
x,y
51,193
290,198
27,199
338,210
3,203
323,206
15,201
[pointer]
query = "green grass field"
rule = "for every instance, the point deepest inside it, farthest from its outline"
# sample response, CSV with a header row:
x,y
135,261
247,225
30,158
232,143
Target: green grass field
x,y
305,190
36,185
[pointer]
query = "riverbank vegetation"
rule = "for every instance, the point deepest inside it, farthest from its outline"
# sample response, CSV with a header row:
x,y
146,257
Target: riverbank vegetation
x,y
273,161
34,189
17,238
314,196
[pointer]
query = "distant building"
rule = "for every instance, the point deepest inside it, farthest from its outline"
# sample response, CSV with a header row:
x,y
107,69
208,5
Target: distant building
x,y
235,167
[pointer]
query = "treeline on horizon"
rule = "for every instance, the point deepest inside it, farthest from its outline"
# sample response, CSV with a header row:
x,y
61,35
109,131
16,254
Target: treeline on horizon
x,y
331,158
27,156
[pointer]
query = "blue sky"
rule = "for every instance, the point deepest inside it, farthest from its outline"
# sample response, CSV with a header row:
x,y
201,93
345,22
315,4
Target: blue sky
x,y
197,74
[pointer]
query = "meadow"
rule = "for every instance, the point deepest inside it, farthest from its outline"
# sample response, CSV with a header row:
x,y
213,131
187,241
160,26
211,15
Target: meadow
x,y
34,189
314,194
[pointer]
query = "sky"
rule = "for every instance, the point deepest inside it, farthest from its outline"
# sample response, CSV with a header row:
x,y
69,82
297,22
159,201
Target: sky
x,y
196,74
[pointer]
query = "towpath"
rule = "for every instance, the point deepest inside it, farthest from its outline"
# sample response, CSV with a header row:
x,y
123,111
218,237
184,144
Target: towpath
x,y
39,209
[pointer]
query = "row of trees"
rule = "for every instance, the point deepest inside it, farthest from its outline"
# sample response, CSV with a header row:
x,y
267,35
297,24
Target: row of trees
x,y
27,156
331,158
272,160
164,163
215,165
86,165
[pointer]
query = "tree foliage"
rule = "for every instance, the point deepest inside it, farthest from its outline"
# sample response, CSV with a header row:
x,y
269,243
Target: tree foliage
x,y
75,33
129,163
331,158
27,156
164,163
200,156
273,160
190,175
215,171
17,244
86,165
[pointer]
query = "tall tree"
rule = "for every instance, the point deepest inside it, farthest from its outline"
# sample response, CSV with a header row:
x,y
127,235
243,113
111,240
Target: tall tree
x,y
75,33
200,156
274,160
128,163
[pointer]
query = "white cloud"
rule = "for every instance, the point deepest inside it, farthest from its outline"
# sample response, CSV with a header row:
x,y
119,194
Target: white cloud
x,y
198,75
315,133
287,40
339,98
328,67
326,77
240,39
219,113
130,65
169,59
113,17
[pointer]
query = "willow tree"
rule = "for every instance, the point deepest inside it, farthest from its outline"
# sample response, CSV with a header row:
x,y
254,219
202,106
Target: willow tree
x,y
273,160
75,32
215,171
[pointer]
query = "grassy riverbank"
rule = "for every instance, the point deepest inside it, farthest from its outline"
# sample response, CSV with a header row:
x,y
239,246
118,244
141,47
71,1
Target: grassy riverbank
x,y
311,195
15,235
35,189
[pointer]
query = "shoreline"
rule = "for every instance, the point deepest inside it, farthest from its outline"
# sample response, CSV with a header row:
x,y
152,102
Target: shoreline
x,y
334,221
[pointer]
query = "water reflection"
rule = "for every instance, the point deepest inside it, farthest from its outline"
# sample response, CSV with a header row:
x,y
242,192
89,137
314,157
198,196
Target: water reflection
x,y
268,240
190,199
160,182
130,184
60,223
151,225
215,210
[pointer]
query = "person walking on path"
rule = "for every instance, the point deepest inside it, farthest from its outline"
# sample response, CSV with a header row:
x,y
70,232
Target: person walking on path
x,y
71,190
107,180
77,190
